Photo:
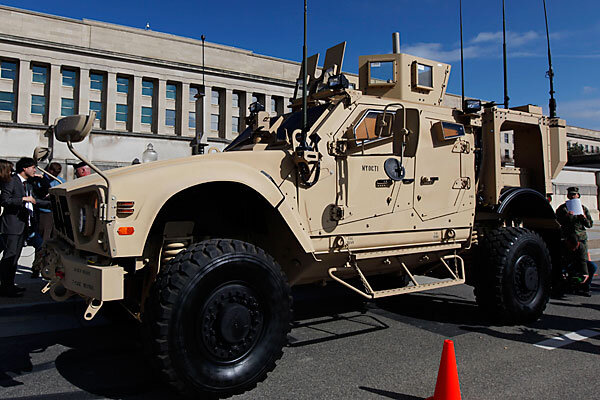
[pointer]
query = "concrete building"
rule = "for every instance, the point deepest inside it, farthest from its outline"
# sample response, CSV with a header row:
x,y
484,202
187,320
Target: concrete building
x,y
142,85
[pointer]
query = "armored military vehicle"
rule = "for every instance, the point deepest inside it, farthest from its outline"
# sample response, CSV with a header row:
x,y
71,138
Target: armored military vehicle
x,y
386,180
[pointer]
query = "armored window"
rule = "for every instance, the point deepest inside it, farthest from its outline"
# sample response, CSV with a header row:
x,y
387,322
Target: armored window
x,y
147,88
39,74
170,118
96,81
8,70
171,91
423,76
215,98
7,101
235,125
67,107
214,122
366,129
506,153
146,115
506,138
69,77
192,120
381,73
122,112
235,100
122,85
38,104
96,106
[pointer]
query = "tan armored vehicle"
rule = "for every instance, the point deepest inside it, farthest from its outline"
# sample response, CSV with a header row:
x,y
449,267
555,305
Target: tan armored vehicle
x,y
204,249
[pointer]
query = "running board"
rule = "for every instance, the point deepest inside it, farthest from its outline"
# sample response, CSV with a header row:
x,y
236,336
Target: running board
x,y
457,277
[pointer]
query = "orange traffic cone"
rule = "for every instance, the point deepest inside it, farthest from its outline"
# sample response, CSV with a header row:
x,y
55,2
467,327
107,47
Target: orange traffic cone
x,y
447,386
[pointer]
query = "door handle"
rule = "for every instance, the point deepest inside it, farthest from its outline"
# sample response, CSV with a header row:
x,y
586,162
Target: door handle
x,y
429,180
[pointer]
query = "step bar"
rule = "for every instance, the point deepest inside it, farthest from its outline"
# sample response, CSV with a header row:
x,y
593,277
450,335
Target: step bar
x,y
457,277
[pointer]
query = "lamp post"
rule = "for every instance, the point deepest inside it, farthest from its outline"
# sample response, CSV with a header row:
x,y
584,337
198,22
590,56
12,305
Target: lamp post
x,y
149,154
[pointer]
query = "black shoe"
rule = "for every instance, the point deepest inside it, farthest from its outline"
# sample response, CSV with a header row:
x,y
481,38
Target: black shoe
x,y
10,292
35,275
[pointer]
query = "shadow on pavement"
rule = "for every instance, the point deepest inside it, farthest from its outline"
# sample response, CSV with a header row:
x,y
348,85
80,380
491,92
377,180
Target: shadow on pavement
x,y
390,395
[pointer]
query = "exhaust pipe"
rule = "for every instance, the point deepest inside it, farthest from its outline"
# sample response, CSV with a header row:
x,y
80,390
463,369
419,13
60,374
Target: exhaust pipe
x,y
396,42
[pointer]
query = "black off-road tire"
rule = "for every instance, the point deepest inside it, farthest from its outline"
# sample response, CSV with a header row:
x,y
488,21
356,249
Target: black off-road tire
x,y
218,318
513,274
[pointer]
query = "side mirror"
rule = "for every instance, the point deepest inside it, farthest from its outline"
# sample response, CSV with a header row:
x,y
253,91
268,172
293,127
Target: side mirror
x,y
40,154
74,128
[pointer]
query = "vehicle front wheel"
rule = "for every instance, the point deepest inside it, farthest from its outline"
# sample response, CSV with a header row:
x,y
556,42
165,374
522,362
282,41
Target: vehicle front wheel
x,y
513,277
218,317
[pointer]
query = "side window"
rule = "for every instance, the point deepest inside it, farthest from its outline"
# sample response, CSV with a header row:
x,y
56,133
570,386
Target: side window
x,y
371,126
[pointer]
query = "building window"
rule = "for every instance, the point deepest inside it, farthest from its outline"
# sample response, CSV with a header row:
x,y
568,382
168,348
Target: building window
x,y
96,81
506,140
506,153
7,101
96,106
215,98
192,123
254,98
235,125
39,74
171,91
170,117
122,112
69,77
147,88
193,92
122,85
67,107
38,104
146,115
214,122
273,105
587,148
235,100
8,70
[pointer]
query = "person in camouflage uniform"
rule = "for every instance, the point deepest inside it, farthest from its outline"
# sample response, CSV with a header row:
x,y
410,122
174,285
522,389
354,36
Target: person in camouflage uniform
x,y
573,227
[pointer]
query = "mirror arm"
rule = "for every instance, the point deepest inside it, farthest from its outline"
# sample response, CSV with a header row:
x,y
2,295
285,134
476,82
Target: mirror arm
x,y
108,214
49,174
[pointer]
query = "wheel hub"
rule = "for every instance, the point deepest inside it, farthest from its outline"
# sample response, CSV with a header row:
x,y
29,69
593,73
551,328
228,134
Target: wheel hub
x,y
230,323
526,277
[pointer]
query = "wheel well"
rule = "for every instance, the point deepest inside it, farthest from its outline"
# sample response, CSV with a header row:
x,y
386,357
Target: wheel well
x,y
233,211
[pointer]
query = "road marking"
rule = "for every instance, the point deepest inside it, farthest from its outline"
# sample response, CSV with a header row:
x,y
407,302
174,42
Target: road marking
x,y
568,338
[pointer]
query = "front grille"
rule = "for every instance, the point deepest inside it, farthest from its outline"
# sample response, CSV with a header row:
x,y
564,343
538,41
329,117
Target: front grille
x,y
62,218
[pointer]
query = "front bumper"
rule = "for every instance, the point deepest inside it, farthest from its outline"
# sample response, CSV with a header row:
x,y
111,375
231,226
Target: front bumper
x,y
69,273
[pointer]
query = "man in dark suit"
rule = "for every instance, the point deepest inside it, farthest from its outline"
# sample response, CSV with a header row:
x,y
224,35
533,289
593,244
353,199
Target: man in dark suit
x,y
17,198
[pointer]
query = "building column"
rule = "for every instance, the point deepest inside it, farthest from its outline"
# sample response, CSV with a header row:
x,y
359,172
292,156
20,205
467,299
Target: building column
x,y
136,104
83,89
23,92
111,101
226,112
161,106
54,101
182,127
268,103
207,112
201,118
245,102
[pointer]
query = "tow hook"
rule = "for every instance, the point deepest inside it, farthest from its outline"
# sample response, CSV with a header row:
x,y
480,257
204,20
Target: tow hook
x,y
93,307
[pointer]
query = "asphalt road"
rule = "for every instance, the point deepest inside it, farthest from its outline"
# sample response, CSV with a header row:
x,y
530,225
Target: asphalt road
x,y
338,349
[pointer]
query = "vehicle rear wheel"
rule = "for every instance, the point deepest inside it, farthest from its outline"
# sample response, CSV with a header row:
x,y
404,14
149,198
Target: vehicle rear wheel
x,y
513,277
218,318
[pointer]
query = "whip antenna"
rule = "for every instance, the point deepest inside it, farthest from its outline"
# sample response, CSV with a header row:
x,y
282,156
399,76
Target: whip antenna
x,y
462,71
504,55
550,72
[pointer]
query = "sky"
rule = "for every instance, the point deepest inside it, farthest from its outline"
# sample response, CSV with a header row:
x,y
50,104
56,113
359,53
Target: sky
x,y
428,28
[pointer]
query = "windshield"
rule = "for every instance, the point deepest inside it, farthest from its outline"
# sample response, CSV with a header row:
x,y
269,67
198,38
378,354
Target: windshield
x,y
291,122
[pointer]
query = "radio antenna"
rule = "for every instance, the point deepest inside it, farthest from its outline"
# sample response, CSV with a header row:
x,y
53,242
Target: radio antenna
x,y
303,143
504,56
462,71
550,72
